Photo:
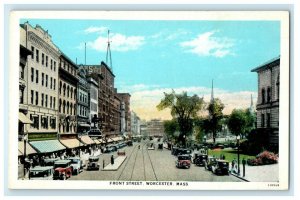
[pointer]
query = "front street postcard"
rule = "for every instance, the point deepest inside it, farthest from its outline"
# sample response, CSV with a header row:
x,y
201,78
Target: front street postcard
x,y
149,100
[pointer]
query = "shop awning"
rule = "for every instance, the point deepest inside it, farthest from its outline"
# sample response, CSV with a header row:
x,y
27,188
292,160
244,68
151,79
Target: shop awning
x,y
29,149
84,125
109,140
101,141
24,119
117,139
47,146
19,153
96,141
71,143
86,140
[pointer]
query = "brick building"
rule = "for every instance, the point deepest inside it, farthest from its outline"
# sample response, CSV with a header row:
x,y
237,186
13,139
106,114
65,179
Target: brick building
x,y
67,95
268,99
125,106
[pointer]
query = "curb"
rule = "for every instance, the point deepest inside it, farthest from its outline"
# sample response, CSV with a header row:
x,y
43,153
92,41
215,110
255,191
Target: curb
x,y
233,174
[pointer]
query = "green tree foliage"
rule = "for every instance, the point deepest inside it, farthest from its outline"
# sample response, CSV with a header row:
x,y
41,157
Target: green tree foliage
x,y
214,122
241,122
171,126
183,108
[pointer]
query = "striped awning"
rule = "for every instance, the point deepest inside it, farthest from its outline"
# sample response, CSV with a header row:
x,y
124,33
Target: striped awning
x,y
24,119
97,141
47,146
71,143
117,139
86,140
29,149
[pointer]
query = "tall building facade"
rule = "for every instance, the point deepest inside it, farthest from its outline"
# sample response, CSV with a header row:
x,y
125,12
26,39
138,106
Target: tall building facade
x,y
67,95
135,124
42,96
125,108
23,92
83,104
93,98
268,99
155,128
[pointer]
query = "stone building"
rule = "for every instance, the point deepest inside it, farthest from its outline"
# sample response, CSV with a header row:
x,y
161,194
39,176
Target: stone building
x,y
23,92
93,99
268,99
125,108
41,94
155,128
116,114
135,124
67,95
83,106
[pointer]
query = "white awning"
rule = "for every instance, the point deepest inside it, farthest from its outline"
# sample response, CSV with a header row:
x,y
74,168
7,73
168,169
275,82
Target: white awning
x,y
84,125
24,119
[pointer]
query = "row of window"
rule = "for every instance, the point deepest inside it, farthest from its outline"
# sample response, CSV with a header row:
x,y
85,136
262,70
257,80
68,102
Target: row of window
x,y
67,128
67,108
83,97
67,90
43,122
36,55
82,111
67,67
44,79
34,100
263,120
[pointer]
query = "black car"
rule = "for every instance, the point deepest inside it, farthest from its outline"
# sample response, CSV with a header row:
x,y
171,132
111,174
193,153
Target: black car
x,y
129,143
220,167
182,151
200,159
174,151
160,146
210,162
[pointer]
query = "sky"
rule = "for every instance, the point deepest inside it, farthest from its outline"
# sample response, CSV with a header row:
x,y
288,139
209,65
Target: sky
x,y
153,57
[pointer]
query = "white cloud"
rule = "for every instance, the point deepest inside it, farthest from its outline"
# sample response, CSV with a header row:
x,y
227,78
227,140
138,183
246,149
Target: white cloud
x,y
207,44
95,29
119,42
144,101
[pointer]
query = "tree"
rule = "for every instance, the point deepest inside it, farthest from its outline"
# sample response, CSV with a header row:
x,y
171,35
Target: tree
x,y
215,109
183,108
170,127
241,122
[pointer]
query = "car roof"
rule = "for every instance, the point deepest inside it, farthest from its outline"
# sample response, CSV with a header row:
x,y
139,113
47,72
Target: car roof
x,y
62,162
40,168
223,161
93,157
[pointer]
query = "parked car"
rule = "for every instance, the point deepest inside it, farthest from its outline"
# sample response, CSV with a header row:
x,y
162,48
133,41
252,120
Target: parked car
x,y
63,170
220,167
182,151
183,161
174,150
76,164
95,132
93,163
199,159
41,173
209,162
129,143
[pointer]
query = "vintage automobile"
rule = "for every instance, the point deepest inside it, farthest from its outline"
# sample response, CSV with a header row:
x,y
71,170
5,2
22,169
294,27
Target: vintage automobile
x,y
209,162
109,149
220,167
41,173
76,164
199,159
183,161
129,143
182,151
93,163
63,170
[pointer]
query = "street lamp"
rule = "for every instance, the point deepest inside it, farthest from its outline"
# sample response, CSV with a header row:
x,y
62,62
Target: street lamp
x,y
238,146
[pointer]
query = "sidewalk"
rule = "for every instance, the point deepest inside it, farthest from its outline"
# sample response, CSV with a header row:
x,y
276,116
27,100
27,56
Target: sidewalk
x,y
117,163
264,173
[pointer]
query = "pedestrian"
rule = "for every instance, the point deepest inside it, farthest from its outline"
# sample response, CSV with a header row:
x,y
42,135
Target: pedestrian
x,y
112,159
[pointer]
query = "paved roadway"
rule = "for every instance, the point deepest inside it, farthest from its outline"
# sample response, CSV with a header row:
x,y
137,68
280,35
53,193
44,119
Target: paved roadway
x,y
150,165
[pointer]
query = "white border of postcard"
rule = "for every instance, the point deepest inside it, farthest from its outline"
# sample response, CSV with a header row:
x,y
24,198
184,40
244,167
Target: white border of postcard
x,y
282,16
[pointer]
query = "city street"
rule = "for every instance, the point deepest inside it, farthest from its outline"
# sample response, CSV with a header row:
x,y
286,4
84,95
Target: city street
x,y
142,164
